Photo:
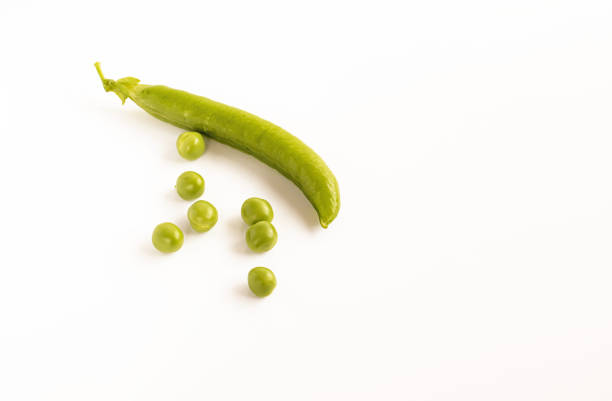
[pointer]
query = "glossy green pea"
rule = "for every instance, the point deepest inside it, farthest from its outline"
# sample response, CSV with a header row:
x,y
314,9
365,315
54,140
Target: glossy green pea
x,y
202,216
244,131
190,145
190,185
255,210
261,237
261,281
167,238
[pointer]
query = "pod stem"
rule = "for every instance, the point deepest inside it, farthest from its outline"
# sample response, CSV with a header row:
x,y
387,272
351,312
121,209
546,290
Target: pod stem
x,y
97,65
105,82
122,87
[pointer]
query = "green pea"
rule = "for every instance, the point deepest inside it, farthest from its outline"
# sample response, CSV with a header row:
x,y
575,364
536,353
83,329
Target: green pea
x,y
167,238
255,210
261,237
202,216
262,281
190,145
190,185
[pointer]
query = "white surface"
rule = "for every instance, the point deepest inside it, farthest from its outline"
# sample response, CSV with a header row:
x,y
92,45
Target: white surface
x,y
471,257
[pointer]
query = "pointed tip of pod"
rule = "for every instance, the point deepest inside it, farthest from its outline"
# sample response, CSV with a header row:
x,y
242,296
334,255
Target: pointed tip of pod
x,y
325,219
328,215
326,222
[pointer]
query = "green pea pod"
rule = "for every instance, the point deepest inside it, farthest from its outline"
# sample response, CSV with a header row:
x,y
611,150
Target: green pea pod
x,y
241,130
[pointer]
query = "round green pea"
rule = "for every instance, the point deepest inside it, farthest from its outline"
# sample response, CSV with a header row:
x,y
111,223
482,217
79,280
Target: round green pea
x,y
190,145
255,210
262,281
190,185
261,237
167,238
202,216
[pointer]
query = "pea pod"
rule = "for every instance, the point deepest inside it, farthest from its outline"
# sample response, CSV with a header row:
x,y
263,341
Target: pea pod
x,y
241,130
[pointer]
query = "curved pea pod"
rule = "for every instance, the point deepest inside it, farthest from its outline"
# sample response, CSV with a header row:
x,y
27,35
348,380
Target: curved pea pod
x,y
244,131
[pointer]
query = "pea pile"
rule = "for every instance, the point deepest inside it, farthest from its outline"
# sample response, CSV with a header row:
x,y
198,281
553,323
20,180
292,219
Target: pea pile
x,y
261,236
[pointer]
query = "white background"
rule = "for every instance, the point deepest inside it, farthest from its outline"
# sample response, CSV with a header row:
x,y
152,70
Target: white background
x,y
471,256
